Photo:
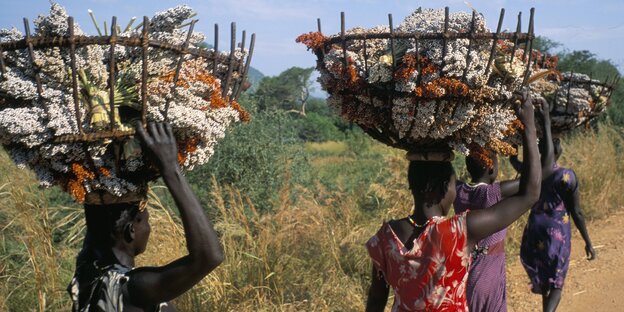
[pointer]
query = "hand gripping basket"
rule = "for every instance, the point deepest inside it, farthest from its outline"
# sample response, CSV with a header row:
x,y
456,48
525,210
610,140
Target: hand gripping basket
x,y
74,126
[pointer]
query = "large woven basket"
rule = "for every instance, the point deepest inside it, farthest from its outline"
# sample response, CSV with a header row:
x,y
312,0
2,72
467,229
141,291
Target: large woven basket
x,y
372,103
229,68
564,117
575,99
71,42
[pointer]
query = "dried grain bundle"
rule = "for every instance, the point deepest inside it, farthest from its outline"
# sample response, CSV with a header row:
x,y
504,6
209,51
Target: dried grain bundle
x,y
575,98
439,80
68,101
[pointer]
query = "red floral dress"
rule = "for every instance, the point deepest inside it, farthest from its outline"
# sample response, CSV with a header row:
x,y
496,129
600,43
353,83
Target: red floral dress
x,y
432,275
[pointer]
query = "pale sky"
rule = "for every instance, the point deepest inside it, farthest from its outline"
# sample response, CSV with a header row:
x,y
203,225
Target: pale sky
x,y
596,25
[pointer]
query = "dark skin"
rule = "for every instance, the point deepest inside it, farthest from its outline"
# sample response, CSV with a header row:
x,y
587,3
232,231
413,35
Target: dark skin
x,y
508,188
149,286
552,296
480,223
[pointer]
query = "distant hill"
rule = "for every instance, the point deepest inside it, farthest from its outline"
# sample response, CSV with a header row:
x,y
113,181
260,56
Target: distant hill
x,y
254,77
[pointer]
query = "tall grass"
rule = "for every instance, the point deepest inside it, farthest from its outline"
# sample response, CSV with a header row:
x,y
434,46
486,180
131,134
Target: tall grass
x,y
31,263
306,255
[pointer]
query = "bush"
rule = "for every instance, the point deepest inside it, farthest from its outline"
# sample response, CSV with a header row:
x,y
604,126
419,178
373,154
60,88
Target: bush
x,y
254,158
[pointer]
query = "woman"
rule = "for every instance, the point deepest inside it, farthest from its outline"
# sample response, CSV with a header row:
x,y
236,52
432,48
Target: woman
x,y
425,256
545,247
486,285
105,278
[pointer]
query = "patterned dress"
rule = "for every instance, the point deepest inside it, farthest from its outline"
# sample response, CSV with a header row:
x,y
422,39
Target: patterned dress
x,y
486,287
432,275
106,292
545,248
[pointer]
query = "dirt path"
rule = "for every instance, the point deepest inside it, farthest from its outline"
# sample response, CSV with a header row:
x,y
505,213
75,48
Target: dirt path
x,y
590,285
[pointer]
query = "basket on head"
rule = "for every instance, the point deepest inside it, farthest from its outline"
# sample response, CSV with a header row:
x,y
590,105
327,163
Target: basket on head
x,y
438,79
70,101
578,100
575,99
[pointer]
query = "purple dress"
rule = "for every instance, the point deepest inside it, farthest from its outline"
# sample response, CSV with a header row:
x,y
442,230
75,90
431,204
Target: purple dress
x,y
545,248
486,286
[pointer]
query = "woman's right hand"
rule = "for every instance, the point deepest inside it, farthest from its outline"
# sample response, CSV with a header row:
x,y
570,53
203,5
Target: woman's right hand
x,y
160,144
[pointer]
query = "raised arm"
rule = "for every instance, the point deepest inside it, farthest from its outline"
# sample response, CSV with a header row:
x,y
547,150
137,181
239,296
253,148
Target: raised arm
x,y
515,163
511,187
548,150
572,204
149,286
482,223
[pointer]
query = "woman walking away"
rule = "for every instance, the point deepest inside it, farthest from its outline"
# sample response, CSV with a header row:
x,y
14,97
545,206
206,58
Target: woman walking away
x,y
425,257
105,278
486,285
545,247
487,282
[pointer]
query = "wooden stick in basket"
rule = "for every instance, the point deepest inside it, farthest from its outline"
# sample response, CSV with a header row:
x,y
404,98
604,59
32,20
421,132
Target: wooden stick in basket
x,y
74,74
445,39
144,72
468,58
176,76
216,48
31,52
238,83
111,72
248,62
228,78
495,41
2,65
529,48
516,35
392,52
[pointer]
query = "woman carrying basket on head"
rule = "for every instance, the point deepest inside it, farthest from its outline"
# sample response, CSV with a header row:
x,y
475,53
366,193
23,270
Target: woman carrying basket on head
x,y
425,257
105,278
545,247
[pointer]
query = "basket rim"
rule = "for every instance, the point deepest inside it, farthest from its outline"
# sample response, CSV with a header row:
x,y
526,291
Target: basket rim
x,y
42,42
338,38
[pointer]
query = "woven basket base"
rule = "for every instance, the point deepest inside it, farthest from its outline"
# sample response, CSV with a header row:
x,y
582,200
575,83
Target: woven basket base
x,y
106,198
430,156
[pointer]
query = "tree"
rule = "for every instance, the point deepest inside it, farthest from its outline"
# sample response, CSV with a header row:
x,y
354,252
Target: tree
x,y
546,45
288,91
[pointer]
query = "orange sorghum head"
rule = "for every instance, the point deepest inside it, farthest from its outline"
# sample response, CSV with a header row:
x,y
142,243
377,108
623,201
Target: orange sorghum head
x,y
313,40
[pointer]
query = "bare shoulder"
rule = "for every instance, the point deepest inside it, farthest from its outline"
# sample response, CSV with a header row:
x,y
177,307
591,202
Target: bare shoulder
x,y
401,228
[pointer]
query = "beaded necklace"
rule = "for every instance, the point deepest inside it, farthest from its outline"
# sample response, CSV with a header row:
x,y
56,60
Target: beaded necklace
x,y
416,224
